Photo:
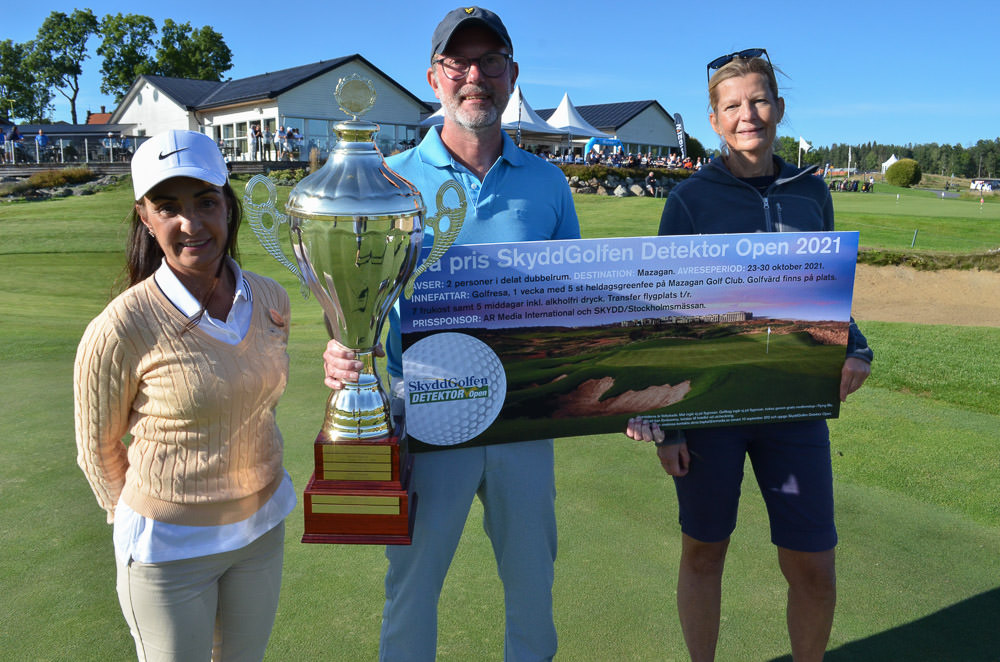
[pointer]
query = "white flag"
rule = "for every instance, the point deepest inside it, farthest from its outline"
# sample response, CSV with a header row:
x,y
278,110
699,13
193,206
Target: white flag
x,y
803,145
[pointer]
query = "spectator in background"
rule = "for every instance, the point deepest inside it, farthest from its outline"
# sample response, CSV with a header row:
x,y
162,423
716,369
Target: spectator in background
x,y
109,145
13,140
267,139
255,142
651,183
126,148
279,143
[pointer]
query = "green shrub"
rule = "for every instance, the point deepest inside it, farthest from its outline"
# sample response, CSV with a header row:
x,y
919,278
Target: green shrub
x,y
904,172
49,179
62,177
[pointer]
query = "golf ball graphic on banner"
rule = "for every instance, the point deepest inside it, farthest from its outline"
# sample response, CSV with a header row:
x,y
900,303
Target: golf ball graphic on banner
x,y
455,388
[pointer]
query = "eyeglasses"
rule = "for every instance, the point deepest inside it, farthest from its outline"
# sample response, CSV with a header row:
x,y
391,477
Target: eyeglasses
x,y
492,64
746,54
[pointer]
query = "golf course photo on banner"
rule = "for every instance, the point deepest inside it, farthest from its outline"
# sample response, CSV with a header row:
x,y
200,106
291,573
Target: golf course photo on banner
x,y
518,341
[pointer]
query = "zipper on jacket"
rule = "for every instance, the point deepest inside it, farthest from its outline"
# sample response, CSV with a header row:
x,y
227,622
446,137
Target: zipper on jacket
x,y
767,214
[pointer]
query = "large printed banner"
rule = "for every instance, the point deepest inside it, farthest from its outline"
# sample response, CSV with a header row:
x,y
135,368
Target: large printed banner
x,y
518,341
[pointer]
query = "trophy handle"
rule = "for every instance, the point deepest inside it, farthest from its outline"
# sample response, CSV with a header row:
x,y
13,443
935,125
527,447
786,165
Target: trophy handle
x,y
267,233
442,240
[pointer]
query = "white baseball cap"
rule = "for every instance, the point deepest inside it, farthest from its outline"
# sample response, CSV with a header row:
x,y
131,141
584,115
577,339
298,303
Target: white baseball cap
x,y
177,154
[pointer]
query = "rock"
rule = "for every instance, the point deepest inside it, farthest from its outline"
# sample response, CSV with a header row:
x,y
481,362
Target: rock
x,y
585,189
637,190
621,192
601,190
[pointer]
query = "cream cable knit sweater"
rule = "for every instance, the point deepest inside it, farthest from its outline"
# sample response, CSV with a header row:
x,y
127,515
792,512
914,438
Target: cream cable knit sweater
x,y
205,447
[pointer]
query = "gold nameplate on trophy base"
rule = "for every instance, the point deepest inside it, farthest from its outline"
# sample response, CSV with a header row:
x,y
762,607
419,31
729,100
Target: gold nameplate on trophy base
x,y
359,493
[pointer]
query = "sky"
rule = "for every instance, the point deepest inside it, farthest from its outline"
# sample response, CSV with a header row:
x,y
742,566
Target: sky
x,y
890,72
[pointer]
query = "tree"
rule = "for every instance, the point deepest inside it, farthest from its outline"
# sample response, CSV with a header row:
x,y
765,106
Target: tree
x,y
60,49
185,53
871,162
127,50
694,147
22,95
904,172
787,148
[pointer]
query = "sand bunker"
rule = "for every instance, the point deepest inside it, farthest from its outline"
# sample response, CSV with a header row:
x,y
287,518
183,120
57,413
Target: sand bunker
x,y
584,400
902,294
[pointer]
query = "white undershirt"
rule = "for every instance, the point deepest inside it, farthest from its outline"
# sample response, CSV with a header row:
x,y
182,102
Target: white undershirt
x,y
148,541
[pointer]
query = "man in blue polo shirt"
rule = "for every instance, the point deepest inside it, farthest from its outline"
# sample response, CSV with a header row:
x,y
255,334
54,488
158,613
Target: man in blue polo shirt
x,y
41,142
512,196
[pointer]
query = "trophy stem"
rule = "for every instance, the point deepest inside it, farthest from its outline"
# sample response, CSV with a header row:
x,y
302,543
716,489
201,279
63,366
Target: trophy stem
x,y
360,410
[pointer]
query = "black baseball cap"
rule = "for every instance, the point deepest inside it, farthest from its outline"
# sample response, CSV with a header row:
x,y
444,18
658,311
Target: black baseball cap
x,y
463,16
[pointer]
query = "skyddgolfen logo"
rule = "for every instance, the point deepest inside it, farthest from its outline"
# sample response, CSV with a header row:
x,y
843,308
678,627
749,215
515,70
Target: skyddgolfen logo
x,y
447,389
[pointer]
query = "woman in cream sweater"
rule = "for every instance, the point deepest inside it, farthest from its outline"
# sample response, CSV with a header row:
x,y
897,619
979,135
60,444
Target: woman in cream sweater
x,y
176,384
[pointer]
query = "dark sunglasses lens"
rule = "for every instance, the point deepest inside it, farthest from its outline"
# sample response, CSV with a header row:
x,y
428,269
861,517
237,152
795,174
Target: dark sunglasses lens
x,y
720,61
747,54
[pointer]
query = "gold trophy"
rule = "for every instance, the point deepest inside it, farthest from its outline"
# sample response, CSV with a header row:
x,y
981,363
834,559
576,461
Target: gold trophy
x,y
356,230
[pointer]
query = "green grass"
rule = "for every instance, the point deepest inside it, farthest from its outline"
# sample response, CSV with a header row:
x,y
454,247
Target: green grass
x,y
915,459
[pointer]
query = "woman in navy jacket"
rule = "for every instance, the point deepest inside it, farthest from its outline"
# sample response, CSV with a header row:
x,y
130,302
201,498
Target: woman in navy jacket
x,y
749,189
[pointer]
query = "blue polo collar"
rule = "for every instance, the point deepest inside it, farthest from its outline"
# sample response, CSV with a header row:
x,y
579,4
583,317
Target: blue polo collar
x,y
433,152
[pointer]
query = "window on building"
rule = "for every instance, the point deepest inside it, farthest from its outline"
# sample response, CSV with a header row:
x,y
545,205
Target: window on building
x,y
241,138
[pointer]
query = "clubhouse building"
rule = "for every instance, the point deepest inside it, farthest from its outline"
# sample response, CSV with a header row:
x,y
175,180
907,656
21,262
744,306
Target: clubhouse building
x,y
301,98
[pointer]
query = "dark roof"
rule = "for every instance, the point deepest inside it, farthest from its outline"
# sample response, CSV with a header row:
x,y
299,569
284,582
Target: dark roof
x,y
269,85
434,107
65,129
608,115
184,91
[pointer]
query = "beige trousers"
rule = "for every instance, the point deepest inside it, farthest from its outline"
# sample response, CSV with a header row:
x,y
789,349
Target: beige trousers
x,y
219,607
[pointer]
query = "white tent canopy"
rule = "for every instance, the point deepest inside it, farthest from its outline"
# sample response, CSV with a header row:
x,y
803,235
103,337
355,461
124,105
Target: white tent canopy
x,y
520,116
435,119
567,117
885,166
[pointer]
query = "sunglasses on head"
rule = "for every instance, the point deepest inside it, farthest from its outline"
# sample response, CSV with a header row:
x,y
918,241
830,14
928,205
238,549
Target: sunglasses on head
x,y
745,54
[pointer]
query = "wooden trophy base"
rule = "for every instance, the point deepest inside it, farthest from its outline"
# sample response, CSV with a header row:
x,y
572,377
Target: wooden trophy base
x,y
360,494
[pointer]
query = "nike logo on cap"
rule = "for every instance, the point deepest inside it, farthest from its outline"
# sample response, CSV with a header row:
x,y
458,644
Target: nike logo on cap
x,y
163,156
